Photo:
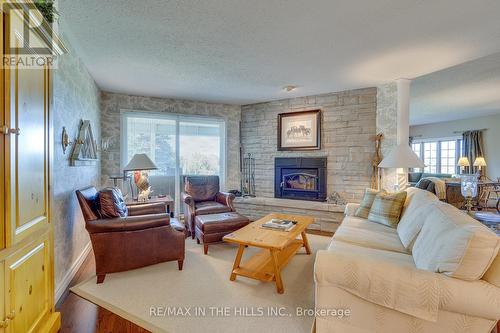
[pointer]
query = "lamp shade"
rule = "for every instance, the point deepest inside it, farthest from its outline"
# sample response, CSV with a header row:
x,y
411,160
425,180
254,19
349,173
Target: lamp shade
x,y
480,162
463,162
401,156
140,162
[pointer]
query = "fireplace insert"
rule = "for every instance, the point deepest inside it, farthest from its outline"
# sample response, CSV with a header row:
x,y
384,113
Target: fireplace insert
x,y
301,178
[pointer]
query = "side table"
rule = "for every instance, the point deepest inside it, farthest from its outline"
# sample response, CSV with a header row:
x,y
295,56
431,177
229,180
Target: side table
x,y
166,200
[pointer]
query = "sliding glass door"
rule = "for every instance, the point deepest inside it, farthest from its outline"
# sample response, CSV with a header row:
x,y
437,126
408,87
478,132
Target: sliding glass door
x,y
201,150
179,145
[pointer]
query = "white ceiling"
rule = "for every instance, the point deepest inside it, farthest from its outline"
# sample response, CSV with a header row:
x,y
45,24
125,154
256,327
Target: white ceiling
x,y
240,51
464,91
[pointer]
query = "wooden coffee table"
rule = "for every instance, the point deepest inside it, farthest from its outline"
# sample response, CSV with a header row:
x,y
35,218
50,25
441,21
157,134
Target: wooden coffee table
x,y
278,247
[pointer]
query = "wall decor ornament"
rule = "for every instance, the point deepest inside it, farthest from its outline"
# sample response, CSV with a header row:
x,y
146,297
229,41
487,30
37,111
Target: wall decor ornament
x,y
85,147
65,140
299,130
377,158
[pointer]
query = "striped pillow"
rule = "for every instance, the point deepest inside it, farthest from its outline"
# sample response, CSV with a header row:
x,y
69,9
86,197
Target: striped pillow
x,y
366,204
387,208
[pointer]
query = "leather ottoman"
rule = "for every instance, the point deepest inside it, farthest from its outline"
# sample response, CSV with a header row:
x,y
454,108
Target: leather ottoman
x,y
212,228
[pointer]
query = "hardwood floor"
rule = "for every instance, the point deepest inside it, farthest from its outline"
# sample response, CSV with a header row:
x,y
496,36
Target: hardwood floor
x,y
81,316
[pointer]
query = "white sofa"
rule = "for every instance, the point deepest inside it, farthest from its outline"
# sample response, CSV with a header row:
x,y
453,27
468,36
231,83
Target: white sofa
x,y
439,271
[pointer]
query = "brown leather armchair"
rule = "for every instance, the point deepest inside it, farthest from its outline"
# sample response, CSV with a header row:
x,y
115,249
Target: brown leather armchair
x,y
201,196
145,237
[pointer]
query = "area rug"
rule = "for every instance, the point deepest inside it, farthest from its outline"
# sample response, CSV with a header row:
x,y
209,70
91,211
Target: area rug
x,y
201,298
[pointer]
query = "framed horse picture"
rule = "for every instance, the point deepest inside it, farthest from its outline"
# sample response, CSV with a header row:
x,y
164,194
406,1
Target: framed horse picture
x,y
299,130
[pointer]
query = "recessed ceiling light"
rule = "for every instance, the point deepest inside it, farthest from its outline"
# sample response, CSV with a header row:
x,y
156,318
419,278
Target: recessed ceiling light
x,y
289,88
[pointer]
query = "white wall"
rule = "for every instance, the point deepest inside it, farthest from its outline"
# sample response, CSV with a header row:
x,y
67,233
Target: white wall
x,y
491,136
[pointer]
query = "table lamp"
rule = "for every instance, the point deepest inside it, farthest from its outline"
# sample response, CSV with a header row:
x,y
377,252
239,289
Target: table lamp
x,y
480,162
140,163
462,163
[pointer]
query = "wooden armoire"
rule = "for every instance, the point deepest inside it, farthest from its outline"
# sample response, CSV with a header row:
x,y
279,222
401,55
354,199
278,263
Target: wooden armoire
x,y
26,233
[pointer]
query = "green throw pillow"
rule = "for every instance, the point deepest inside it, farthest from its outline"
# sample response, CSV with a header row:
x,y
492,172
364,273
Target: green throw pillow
x,y
366,204
386,208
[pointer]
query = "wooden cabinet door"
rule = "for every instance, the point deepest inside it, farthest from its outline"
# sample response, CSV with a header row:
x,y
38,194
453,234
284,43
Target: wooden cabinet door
x,y
27,147
2,148
28,286
3,322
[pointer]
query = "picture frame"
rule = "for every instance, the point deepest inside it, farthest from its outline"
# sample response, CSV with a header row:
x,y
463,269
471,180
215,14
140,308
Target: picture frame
x,y
299,130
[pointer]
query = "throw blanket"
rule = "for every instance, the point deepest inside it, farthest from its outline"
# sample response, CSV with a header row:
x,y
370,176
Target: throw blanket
x,y
399,287
439,186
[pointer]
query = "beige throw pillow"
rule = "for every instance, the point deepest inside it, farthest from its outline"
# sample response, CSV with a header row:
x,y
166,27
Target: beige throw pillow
x,y
418,205
366,204
453,243
387,208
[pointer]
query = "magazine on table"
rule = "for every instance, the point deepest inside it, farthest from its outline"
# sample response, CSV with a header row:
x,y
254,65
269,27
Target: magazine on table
x,y
279,224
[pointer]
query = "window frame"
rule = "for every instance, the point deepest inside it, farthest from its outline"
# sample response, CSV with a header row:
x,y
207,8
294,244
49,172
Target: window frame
x,y
438,141
177,118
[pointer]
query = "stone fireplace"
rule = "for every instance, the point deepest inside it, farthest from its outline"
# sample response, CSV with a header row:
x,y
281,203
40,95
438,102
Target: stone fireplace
x,y
300,178
348,125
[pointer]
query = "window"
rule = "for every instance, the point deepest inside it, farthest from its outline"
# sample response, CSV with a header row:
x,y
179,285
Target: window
x,y
430,157
416,147
178,145
448,157
439,155
200,146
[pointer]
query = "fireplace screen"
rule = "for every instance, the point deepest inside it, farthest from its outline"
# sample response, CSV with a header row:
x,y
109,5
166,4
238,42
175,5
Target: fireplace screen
x,y
300,178
300,181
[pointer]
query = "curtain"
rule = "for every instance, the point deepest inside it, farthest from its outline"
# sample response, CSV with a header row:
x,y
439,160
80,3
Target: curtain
x,y
472,146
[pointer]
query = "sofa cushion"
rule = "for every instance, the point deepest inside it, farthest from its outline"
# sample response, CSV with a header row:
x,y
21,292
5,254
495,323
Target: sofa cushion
x,y
416,208
453,243
202,188
366,203
387,208
210,207
492,275
369,234
473,298
382,277
111,203
426,184
224,222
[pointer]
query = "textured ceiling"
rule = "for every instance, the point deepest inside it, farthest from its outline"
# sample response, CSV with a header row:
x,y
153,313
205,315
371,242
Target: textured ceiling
x,y
465,91
240,51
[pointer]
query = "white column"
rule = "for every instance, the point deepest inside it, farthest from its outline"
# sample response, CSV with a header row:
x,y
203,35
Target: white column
x,y
403,111
403,124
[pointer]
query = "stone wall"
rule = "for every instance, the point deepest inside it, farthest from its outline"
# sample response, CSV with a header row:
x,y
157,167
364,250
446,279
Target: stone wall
x,y
75,97
327,217
112,104
348,128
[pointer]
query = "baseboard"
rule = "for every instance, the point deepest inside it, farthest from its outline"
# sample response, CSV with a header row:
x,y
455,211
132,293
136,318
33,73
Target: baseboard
x,y
70,274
